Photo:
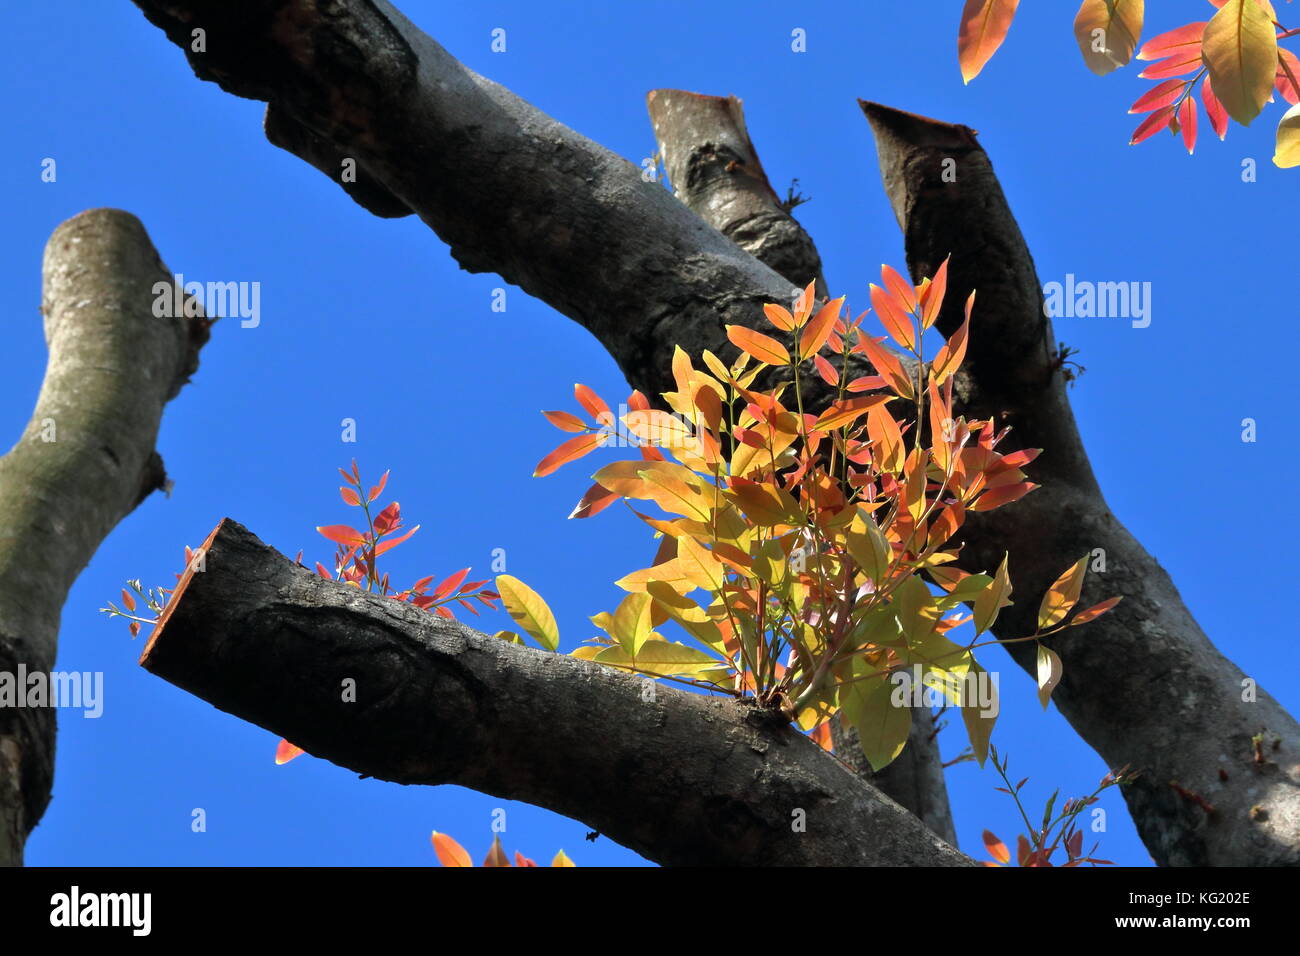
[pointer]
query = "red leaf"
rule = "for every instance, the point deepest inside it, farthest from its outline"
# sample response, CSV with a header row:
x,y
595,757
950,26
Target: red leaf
x,y
350,497
1187,123
342,534
1214,109
346,477
1162,94
826,370
323,572
391,543
388,519
596,500
449,585
378,490
1152,125
1185,39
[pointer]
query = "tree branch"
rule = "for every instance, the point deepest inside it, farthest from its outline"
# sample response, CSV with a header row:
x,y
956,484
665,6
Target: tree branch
x,y
1143,685
85,460
681,778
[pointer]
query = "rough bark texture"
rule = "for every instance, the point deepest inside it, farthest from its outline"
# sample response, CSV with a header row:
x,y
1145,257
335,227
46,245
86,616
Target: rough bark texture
x,y
1143,684
355,79
681,778
85,460
715,170
575,226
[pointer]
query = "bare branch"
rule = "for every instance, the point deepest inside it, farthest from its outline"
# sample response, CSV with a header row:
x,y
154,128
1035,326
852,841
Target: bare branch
x,y
679,777
1143,685
85,460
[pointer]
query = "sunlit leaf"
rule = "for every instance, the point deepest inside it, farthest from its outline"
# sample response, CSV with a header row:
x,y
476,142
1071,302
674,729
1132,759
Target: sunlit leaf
x,y
1107,32
571,450
1049,674
1240,51
1063,595
285,751
1287,154
450,853
1096,611
565,421
984,25
342,534
529,611
762,347
496,855
997,849
993,598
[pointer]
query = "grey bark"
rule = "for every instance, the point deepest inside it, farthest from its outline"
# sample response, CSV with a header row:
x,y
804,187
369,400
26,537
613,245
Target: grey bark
x,y
577,227
715,170
681,778
1142,684
84,461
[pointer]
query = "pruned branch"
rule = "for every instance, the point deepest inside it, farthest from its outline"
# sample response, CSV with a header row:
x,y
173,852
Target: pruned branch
x,y
85,460
1143,685
679,777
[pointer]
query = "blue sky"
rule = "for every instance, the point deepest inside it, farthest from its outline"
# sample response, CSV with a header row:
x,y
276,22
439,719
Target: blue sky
x,y
372,320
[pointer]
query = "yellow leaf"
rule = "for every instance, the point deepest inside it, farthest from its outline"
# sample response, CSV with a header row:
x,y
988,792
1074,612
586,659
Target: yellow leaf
x,y
1240,51
630,625
562,860
529,611
1062,595
992,599
868,702
1049,673
980,716
1287,155
660,658
1108,32
450,853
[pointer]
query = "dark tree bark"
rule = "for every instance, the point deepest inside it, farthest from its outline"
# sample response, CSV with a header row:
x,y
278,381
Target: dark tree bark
x,y
681,778
85,460
1142,684
715,170
577,227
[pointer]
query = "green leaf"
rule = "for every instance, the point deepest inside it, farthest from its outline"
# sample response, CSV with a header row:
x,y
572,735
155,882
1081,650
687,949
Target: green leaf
x,y
529,611
993,598
978,719
868,546
869,704
631,625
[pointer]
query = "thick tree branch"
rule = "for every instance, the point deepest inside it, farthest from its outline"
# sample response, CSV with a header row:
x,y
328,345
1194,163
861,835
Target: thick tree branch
x,y
681,778
569,222
1143,684
85,460
715,170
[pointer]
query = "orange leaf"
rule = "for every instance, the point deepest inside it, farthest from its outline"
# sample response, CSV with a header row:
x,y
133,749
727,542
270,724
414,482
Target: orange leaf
x,y
934,294
803,305
449,585
1096,611
349,496
285,751
819,329
896,322
887,365
570,450
997,849
984,25
953,351
378,490
450,853
594,404
762,347
826,370
997,497
779,317
565,421
843,412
